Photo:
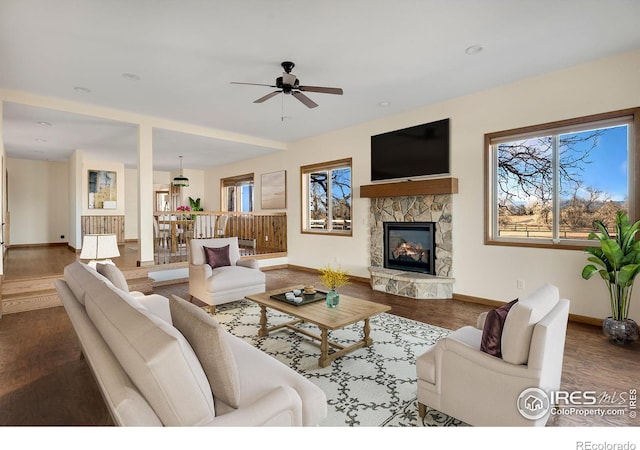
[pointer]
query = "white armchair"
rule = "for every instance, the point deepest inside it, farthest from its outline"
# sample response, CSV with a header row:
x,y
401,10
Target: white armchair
x,y
459,379
226,283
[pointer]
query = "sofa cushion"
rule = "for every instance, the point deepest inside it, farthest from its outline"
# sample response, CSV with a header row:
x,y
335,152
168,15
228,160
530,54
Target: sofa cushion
x,y
217,256
113,274
80,278
491,341
233,277
154,354
206,337
522,318
260,372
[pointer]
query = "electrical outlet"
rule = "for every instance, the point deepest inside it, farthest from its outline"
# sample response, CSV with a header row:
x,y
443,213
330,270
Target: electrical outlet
x,y
266,238
520,284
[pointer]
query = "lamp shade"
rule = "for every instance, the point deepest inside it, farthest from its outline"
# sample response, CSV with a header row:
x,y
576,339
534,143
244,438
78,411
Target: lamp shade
x,y
99,246
181,180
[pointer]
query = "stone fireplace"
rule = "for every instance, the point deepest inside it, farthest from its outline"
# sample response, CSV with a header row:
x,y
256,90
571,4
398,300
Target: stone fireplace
x,y
389,205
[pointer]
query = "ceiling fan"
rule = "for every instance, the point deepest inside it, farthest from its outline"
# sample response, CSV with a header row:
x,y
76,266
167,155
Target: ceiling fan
x,y
288,83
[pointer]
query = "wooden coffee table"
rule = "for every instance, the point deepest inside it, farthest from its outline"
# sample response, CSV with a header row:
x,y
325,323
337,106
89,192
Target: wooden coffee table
x,y
349,311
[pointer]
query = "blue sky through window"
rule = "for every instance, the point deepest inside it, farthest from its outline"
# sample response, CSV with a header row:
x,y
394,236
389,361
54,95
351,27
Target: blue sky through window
x,y
608,163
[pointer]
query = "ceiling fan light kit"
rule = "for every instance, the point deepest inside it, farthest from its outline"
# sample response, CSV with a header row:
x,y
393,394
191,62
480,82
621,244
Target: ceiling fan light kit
x,y
288,83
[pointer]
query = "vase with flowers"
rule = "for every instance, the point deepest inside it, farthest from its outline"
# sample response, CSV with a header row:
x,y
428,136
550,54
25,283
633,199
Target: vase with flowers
x,y
184,209
333,279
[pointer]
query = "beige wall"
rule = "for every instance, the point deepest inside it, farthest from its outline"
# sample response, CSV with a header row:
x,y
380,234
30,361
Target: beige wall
x,y
38,201
480,270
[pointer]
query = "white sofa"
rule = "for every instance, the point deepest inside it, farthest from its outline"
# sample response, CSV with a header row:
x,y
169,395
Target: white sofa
x,y
459,379
150,374
223,284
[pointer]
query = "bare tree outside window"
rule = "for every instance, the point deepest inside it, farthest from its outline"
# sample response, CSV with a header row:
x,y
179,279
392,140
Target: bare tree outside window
x,y
329,197
555,184
318,208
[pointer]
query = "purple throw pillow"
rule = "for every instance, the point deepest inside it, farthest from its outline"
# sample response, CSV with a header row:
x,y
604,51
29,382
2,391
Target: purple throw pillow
x,y
491,342
217,256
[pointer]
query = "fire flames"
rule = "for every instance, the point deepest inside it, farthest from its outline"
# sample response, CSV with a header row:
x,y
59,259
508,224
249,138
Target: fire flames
x,y
411,252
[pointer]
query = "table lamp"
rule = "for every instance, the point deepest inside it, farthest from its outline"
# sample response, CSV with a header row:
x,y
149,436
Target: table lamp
x,y
99,248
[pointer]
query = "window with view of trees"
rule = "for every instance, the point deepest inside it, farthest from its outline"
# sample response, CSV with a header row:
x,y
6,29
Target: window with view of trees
x,y
327,197
547,184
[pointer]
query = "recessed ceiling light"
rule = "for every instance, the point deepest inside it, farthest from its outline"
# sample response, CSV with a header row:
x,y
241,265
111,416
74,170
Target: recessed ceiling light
x,y
474,49
44,124
384,104
82,90
131,76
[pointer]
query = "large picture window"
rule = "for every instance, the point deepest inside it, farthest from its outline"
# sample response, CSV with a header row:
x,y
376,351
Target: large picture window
x,y
326,197
546,184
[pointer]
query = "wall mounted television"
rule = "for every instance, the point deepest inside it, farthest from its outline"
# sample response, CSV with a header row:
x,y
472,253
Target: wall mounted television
x,y
418,151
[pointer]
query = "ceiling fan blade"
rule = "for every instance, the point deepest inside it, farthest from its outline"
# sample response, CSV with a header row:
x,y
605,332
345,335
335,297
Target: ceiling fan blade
x,y
321,89
304,99
267,97
253,84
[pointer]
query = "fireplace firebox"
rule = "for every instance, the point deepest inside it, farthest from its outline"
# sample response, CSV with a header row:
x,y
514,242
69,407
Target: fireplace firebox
x,y
410,246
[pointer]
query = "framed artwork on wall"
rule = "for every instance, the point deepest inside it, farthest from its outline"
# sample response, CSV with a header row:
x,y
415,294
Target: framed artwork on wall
x,y
102,189
274,190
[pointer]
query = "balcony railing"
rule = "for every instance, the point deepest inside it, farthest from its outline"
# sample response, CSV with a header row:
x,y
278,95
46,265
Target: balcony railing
x,y
257,233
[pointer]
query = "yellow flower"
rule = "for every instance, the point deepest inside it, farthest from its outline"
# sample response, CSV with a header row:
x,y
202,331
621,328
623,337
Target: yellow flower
x,y
333,278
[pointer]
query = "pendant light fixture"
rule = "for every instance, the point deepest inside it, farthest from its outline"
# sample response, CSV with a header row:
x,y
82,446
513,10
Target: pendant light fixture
x,y
181,180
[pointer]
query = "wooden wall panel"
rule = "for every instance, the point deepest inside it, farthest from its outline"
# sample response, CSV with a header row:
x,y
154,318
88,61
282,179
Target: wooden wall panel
x,y
103,225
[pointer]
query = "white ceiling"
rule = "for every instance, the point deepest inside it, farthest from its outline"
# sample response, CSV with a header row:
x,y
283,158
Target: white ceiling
x,y
409,53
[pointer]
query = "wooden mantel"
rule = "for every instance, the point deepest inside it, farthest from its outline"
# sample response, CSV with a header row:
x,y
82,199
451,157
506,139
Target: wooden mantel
x,y
404,188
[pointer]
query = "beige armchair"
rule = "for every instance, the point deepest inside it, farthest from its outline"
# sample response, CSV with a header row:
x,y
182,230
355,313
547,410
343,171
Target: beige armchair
x,y
459,379
224,283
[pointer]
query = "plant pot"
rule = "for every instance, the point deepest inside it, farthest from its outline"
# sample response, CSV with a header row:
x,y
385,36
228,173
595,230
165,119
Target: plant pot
x,y
620,331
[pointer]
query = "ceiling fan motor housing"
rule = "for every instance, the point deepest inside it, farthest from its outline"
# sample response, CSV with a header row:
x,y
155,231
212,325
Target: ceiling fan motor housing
x,y
287,85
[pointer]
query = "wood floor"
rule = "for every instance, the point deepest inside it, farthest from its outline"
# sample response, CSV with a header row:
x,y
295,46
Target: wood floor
x,y
45,381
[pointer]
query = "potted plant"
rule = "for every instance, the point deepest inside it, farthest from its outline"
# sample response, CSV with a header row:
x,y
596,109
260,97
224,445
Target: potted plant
x,y
195,206
333,279
617,261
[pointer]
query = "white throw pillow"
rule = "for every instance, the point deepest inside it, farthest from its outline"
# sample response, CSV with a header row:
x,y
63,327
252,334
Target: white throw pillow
x,y
157,358
207,339
113,274
82,278
522,318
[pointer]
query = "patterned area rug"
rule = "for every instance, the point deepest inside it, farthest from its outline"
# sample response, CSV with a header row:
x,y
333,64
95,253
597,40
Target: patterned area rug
x,y
371,386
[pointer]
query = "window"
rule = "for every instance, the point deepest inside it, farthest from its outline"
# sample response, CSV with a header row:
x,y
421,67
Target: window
x,y
237,193
546,184
326,197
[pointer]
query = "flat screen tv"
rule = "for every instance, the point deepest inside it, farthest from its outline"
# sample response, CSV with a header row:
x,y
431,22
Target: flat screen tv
x,y
419,151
